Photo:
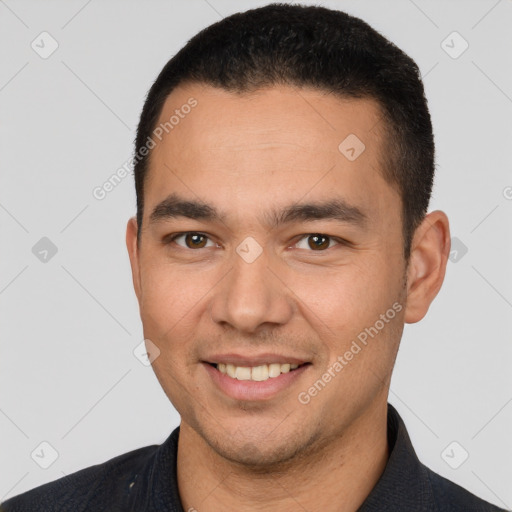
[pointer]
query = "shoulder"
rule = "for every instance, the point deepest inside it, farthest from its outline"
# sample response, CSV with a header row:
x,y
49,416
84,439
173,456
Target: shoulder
x,y
91,488
451,497
408,484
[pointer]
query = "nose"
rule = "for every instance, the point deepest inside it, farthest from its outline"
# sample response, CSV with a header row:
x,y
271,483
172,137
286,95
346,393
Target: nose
x,y
252,295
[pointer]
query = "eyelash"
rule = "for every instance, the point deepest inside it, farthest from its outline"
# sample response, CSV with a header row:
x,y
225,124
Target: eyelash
x,y
167,240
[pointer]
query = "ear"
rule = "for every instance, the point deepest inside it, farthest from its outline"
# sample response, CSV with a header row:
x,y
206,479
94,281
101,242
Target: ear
x,y
133,253
430,249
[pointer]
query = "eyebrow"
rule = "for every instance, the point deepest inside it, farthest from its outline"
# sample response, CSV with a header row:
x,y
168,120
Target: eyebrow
x,y
338,209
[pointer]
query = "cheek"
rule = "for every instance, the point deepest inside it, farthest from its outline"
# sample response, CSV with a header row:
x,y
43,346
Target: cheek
x,y
173,301
346,304
341,298
170,296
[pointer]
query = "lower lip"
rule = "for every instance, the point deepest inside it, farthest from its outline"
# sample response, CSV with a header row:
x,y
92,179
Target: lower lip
x,y
253,390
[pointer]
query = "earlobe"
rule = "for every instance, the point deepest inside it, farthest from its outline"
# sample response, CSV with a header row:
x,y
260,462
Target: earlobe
x,y
133,253
427,266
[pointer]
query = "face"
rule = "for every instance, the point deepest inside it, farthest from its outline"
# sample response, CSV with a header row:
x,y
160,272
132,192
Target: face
x,y
291,253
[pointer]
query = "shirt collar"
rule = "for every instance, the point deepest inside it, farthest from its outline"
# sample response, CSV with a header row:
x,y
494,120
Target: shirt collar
x,y
404,485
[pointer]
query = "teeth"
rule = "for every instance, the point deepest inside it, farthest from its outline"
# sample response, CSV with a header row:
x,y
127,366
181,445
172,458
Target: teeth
x,y
243,373
231,370
274,370
255,373
260,373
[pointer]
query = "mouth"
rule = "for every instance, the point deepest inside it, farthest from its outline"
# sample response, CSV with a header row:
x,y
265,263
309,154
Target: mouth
x,y
259,373
255,383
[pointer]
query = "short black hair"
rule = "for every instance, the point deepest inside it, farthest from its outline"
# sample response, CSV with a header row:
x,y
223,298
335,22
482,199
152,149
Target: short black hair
x,y
310,46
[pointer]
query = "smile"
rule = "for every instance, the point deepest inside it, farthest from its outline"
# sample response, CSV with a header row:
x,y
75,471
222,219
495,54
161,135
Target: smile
x,y
254,383
256,373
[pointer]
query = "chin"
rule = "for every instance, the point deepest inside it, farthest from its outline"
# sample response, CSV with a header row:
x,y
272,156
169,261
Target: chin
x,y
258,458
257,450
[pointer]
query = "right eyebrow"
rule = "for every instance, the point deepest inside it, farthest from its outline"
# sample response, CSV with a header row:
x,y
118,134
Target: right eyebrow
x,y
173,206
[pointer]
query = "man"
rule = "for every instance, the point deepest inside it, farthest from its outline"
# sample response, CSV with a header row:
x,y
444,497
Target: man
x,y
284,165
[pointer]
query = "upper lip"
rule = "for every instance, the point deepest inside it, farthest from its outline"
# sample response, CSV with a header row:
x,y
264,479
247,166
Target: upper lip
x,y
255,360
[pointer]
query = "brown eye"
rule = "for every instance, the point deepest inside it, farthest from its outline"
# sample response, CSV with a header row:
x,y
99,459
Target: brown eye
x,y
316,242
195,240
192,240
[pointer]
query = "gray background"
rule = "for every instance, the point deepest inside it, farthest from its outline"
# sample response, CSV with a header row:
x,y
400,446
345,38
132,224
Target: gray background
x,y
69,324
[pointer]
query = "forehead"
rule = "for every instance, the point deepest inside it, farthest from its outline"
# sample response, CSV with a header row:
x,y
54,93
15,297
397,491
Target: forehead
x,y
274,142
302,119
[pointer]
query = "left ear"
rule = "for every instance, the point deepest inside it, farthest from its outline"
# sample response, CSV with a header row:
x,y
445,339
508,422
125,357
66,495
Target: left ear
x,y
427,267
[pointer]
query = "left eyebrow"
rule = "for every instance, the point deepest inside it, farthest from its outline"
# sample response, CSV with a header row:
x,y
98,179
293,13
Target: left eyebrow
x,y
334,209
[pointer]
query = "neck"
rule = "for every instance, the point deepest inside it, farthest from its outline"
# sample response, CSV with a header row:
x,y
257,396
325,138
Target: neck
x,y
337,477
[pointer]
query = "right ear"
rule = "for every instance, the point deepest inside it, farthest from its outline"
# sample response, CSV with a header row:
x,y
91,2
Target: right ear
x,y
133,253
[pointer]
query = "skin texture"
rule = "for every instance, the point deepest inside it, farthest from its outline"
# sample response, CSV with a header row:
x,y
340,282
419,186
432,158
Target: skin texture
x,y
246,155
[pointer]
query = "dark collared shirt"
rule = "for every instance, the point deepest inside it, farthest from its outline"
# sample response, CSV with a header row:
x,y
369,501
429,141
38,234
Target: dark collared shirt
x,y
144,480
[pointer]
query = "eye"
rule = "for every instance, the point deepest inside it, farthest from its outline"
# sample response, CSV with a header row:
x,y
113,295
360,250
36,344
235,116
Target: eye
x,y
192,240
316,242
